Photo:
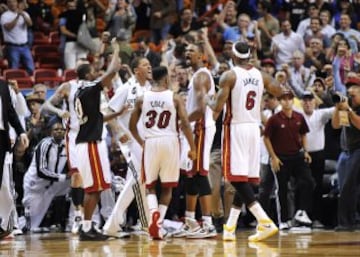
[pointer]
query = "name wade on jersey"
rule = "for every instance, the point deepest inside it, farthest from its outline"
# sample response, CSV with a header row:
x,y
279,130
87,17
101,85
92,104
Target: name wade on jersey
x,y
252,81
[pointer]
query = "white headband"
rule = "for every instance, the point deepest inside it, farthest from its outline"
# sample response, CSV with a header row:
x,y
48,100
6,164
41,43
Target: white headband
x,y
239,55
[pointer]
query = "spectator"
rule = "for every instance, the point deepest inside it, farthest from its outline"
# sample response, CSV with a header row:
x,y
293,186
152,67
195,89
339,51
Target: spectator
x,y
186,24
160,18
14,23
304,26
351,34
72,19
285,140
268,66
347,203
314,31
314,54
35,123
285,44
268,26
42,16
345,7
299,76
326,28
121,19
143,50
316,120
296,12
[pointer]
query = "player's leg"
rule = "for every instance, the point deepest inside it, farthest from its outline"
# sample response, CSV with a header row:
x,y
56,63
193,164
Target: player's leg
x,y
6,199
76,192
96,176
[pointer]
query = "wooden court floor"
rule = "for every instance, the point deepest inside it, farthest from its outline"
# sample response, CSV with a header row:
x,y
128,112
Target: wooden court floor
x,y
317,243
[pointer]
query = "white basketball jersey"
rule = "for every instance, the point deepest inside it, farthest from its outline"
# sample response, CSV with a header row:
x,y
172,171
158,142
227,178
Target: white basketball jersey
x,y
245,102
73,122
191,102
159,114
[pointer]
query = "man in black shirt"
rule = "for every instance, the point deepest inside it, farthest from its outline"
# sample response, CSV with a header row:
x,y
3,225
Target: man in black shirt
x,y
93,166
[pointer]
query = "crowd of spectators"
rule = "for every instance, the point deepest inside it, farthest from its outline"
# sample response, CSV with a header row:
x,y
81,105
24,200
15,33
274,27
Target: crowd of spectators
x,y
309,47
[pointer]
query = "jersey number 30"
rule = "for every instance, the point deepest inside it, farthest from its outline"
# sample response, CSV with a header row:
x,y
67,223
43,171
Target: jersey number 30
x,y
160,120
250,100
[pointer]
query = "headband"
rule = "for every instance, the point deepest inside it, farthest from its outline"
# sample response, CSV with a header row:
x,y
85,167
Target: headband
x,y
240,55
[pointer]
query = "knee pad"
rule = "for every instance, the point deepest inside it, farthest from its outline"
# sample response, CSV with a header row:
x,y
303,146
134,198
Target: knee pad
x,y
203,185
191,187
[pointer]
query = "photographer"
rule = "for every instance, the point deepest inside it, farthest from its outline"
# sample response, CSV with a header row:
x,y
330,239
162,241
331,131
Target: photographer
x,y
347,116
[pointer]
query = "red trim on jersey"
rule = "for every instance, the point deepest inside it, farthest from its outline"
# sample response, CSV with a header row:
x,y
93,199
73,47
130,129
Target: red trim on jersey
x,y
226,139
169,184
151,185
96,170
71,169
233,178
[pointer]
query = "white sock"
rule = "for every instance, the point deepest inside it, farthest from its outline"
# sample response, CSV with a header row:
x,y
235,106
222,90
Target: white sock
x,y
78,213
259,212
152,202
162,210
207,219
190,214
233,217
86,225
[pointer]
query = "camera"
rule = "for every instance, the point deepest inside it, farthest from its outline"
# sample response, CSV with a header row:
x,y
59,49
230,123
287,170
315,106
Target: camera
x,y
338,98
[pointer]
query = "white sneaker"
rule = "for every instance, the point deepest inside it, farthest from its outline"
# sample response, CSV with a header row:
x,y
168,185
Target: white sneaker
x,y
264,230
76,224
206,231
302,218
229,233
190,226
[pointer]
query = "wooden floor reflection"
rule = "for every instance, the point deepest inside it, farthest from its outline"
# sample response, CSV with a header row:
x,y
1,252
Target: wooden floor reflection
x,y
318,243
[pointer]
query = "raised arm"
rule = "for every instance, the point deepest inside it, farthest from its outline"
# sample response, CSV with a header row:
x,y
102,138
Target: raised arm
x,y
60,94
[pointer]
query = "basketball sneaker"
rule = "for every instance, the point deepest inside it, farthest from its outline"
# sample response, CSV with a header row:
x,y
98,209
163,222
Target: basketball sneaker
x,y
229,233
92,235
206,231
264,229
76,224
190,226
155,228
302,218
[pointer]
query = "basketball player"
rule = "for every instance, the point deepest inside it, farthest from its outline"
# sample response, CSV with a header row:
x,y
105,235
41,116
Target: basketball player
x,y
203,125
125,98
161,151
241,89
94,167
66,92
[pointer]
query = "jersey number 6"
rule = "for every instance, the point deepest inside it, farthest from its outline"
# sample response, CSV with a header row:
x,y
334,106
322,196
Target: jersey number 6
x,y
250,100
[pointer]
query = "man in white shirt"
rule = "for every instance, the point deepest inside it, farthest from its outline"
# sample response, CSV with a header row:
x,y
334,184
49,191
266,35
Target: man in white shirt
x,y
316,120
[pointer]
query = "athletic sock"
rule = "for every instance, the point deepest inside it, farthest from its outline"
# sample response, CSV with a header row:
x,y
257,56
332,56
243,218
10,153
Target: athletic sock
x,y
162,210
259,212
190,214
86,225
77,213
207,219
152,202
233,217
